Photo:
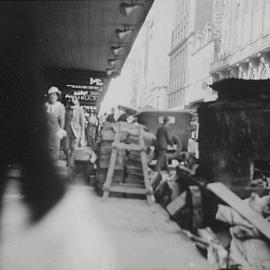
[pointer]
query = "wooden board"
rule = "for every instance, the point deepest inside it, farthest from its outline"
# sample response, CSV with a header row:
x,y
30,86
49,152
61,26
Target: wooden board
x,y
177,204
104,161
105,148
145,171
100,178
197,210
128,185
127,189
134,170
134,179
129,147
241,207
107,135
134,156
134,163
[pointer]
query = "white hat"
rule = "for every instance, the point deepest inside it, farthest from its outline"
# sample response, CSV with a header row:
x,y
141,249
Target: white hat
x,y
53,89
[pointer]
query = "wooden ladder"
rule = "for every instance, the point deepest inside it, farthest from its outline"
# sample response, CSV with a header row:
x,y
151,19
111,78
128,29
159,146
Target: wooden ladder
x,y
129,188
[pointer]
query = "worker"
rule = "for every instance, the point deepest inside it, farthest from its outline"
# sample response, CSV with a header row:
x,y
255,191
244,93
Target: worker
x,y
74,126
163,139
91,129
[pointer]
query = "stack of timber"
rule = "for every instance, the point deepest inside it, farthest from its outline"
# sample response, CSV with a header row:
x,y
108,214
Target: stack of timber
x,y
128,167
104,153
134,170
131,144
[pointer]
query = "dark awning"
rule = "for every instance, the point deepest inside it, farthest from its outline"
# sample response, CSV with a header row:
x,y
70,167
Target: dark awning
x,y
75,37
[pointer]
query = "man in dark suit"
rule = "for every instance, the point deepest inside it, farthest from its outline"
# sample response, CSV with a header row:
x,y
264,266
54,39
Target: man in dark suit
x,y
74,126
163,139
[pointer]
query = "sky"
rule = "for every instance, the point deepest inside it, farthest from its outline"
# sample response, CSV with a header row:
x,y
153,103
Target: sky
x,y
119,92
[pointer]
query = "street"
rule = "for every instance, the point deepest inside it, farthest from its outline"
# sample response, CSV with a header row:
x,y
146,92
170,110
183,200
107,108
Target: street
x,y
84,232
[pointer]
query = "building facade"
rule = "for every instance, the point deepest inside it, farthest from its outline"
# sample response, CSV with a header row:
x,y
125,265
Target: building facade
x,y
190,16
245,41
156,34
203,54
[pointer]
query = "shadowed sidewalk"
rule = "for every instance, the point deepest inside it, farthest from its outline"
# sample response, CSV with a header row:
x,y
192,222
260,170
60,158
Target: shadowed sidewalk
x,y
84,232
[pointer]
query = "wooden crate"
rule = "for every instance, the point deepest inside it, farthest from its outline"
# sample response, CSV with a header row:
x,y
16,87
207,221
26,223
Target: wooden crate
x,y
134,179
104,160
134,163
107,135
134,170
105,148
134,155
100,179
128,188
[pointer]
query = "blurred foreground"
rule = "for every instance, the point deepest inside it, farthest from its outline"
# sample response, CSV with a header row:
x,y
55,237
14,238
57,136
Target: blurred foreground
x,y
83,232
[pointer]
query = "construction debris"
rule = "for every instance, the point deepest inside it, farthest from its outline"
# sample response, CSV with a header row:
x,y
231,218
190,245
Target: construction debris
x,y
248,247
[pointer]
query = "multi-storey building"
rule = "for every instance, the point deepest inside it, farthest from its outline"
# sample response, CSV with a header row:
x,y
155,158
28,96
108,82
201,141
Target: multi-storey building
x,y
189,17
245,41
203,53
156,34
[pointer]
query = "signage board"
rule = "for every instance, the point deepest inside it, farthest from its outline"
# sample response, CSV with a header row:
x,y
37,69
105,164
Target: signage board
x,y
87,94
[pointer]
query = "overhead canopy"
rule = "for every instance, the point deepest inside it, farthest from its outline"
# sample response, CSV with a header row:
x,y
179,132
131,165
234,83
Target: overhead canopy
x,y
75,38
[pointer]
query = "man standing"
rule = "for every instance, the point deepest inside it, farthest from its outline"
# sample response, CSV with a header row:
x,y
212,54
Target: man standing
x,y
110,118
74,125
91,129
163,139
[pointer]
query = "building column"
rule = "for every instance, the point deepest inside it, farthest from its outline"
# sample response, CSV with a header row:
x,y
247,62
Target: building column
x,y
222,75
265,61
243,71
215,77
234,72
254,68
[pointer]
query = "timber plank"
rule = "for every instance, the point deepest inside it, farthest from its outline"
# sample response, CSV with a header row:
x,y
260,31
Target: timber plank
x,y
177,204
127,189
241,207
129,147
111,169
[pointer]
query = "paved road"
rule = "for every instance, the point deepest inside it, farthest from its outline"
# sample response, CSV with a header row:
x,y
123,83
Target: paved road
x,y
83,232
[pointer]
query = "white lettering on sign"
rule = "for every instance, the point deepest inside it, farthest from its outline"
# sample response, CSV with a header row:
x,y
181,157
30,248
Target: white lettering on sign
x,y
89,87
80,93
96,81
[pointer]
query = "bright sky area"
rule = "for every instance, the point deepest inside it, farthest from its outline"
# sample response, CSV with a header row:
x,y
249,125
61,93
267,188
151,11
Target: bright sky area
x,y
120,88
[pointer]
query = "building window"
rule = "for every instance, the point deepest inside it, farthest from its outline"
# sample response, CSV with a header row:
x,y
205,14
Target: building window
x,y
256,4
237,11
246,2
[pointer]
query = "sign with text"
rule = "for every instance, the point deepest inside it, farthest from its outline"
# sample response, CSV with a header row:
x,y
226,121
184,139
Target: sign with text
x,y
87,94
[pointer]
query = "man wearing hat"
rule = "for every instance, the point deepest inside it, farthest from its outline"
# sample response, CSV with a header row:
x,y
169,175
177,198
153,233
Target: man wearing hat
x,y
163,139
56,121
74,126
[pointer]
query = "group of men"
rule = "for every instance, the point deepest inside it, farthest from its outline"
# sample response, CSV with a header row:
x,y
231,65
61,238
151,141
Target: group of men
x,y
72,120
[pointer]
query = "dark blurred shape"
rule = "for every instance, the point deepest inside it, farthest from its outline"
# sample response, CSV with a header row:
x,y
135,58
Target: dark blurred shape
x,y
239,89
23,133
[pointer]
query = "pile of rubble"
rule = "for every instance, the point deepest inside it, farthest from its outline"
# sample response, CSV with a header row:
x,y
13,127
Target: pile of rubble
x,y
237,234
